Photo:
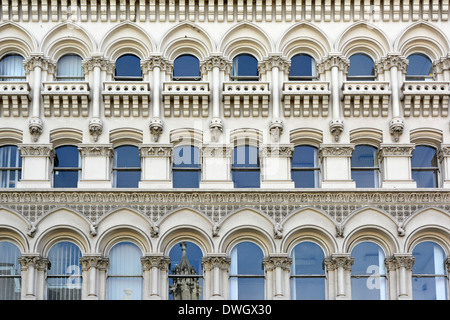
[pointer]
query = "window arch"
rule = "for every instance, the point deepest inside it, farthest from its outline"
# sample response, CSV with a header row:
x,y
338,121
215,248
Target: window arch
x,y
128,68
303,67
368,275
186,272
305,167
362,68
424,166
245,168
429,279
246,272
307,273
66,167
420,68
124,279
10,166
186,167
11,68
64,272
245,68
69,68
365,169
186,67
10,280
126,167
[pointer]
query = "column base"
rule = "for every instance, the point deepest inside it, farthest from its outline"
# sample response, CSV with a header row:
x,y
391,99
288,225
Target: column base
x,y
217,298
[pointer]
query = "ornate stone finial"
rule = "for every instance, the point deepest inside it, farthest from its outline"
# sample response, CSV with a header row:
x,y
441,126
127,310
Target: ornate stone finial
x,y
156,128
336,128
276,129
216,127
95,128
396,126
35,126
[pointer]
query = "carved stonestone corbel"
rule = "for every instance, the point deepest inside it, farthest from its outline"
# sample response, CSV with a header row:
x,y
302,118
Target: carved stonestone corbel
x,y
35,126
276,129
156,128
216,127
336,128
95,128
396,126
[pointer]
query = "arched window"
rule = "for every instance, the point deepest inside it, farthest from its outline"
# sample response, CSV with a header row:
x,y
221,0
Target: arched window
x,y
11,68
128,68
303,68
66,167
186,167
10,277
186,67
365,169
245,68
361,68
126,167
186,273
124,280
305,167
424,165
368,272
69,68
420,68
307,273
10,166
64,272
246,272
245,169
429,279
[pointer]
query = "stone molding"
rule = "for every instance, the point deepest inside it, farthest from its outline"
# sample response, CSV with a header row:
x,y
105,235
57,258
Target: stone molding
x,y
216,261
93,261
36,150
339,261
155,261
98,61
442,64
215,61
400,260
272,262
331,150
38,60
217,151
392,60
162,150
333,60
393,150
277,150
93,150
156,61
274,61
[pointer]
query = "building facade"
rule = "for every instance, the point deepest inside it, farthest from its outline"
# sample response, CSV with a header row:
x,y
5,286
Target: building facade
x,y
216,149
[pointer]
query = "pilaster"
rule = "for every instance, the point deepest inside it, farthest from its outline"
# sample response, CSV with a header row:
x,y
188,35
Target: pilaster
x,y
216,166
156,165
336,165
276,166
96,161
395,163
37,160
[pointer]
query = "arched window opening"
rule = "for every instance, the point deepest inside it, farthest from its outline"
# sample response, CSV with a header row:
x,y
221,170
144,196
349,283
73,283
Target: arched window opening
x,y
247,272
368,276
64,272
126,167
128,68
420,68
10,272
424,165
307,273
10,166
362,68
187,68
305,167
66,167
186,273
365,169
69,68
245,68
11,68
186,171
245,169
303,68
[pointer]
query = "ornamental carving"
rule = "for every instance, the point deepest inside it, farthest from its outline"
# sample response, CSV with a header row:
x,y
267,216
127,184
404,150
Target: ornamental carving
x,y
394,150
97,262
277,151
217,151
441,64
211,262
273,262
339,261
37,60
98,62
386,63
160,262
156,151
400,261
31,150
156,62
274,61
96,151
336,151
326,64
216,62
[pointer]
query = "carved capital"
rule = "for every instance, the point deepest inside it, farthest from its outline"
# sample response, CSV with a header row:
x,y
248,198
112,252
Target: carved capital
x,y
161,150
94,150
36,150
339,261
392,60
93,261
277,150
273,262
157,261
335,60
212,261
443,152
442,64
28,260
278,61
338,150
156,62
400,261
216,61
98,61
392,150
38,60
217,151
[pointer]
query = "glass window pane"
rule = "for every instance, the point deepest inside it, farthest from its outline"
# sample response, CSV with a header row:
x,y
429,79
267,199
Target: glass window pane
x,y
302,65
361,65
127,179
368,288
67,157
365,178
11,68
127,157
10,271
66,179
425,179
429,259
186,157
307,259
246,179
185,259
247,259
304,156
246,157
433,288
424,156
186,179
128,66
364,156
308,288
369,259
11,162
64,272
186,66
69,68
248,288
305,178
245,65
419,65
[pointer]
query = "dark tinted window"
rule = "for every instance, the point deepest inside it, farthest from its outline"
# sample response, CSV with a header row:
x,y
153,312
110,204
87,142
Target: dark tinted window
x,y
186,67
128,67
424,167
66,167
361,68
305,170
10,166
127,167
365,166
303,67
186,167
246,173
245,67
419,68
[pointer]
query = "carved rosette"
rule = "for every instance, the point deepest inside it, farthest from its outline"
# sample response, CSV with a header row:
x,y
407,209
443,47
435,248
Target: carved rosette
x,y
156,62
273,262
336,128
393,60
156,128
211,262
95,128
335,60
282,63
215,61
35,126
396,126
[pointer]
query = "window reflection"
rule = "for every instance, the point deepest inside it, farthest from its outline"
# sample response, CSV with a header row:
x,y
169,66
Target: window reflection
x,y
246,272
245,169
186,167
69,68
185,274
368,276
10,166
429,280
365,168
305,167
307,273
424,166
361,68
127,167
128,68
124,279
420,68
186,67
245,67
11,68
64,272
66,167
303,67
10,271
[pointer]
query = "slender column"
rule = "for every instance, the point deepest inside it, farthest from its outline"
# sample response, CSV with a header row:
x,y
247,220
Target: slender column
x,y
156,264
341,265
214,265
90,264
402,264
277,266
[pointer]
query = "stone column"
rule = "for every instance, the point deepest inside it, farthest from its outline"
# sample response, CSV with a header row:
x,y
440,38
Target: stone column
x,y
214,266
217,65
90,265
28,264
279,267
155,269
96,161
444,159
156,165
441,68
216,166
400,267
276,166
37,162
335,63
336,165
395,165
339,268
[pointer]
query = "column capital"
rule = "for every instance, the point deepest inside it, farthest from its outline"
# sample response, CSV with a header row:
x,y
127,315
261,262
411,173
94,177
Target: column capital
x,y
94,261
155,261
277,261
98,61
336,261
277,150
156,61
399,260
333,60
336,150
396,150
216,261
36,150
216,61
392,60
95,150
442,64
217,151
156,150
38,60
274,60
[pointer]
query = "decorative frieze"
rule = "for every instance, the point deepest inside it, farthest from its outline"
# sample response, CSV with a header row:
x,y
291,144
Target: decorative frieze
x,y
32,150
156,150
95,150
